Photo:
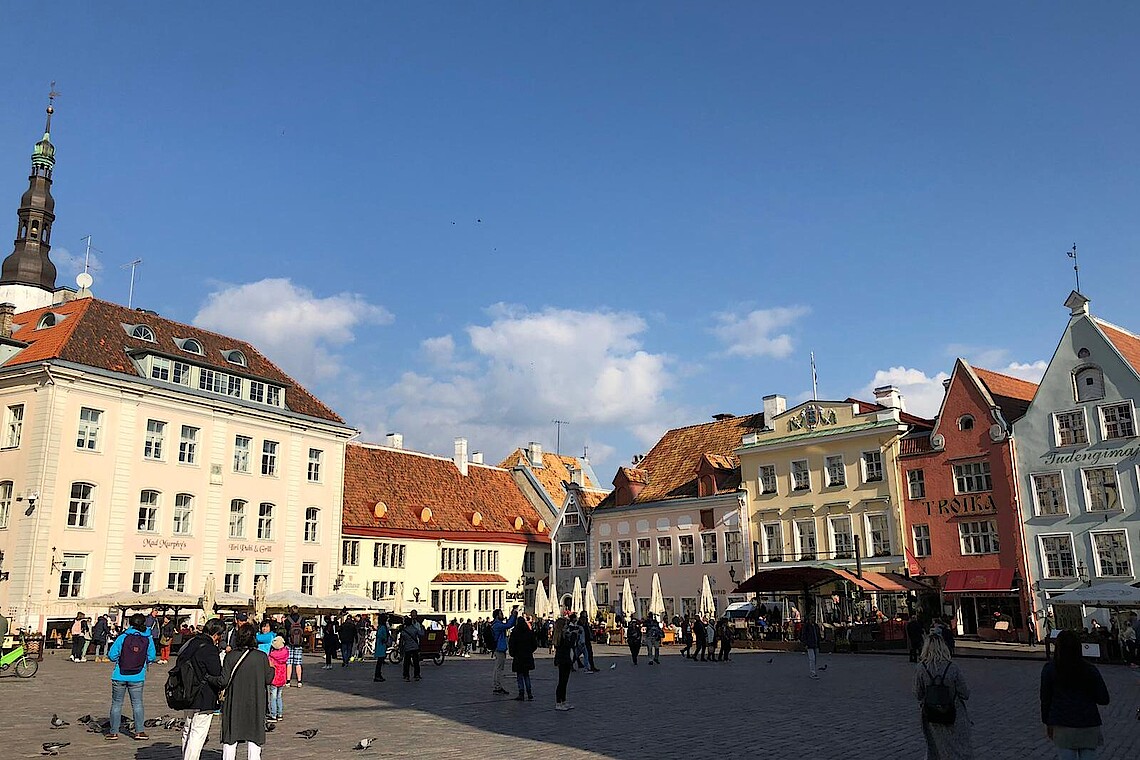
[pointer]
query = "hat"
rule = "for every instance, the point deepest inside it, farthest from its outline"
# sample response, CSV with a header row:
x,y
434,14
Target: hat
x,y
241,617
278,642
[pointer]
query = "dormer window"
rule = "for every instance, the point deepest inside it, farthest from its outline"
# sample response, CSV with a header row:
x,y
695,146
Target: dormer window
x,y
142,332
235,357
49,319
1088,382
966,422
190,346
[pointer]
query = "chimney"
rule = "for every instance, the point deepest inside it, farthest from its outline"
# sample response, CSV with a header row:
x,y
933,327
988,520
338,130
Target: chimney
x,y
534,451
460,457
476,457
394,440
576,475
773,405
6,312
889,396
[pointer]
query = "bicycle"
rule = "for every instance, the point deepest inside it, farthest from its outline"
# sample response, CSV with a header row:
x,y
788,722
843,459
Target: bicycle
x,y
17,658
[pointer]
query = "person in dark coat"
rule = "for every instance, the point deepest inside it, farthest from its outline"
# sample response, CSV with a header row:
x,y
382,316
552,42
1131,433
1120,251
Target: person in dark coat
x,y
588,641
99,635
347,640
563,658
700,633
521,646
202,650
1071,689
686,637
248,673
330,639
633,638
914,637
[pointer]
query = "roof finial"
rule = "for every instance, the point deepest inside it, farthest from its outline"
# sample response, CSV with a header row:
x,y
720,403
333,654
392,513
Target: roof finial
x,y
1076,266
52,95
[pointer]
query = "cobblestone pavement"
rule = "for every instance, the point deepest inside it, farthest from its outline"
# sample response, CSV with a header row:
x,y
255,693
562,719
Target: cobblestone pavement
x,y
860,707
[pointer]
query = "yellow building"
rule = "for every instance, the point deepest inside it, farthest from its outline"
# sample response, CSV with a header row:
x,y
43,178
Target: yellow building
x,y
822,480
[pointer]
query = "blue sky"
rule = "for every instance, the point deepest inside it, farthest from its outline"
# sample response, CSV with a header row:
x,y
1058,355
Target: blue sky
x,y
473,219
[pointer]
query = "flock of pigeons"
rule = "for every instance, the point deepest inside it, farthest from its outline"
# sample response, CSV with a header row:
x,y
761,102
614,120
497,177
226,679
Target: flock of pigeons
x,y
169,722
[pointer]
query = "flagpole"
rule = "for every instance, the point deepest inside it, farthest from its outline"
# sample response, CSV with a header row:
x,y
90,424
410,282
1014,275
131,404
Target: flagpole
x,y
814,381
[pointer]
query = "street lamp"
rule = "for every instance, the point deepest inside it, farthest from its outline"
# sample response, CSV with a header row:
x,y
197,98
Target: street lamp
x,y
1082,573
732,574
339,581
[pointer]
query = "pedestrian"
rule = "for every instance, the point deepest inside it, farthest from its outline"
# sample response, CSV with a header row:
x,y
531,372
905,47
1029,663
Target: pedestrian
x,y
381,648
248,673
295,639
914,637
1071,689
347,640
453,637
100,632
710,638
411,632
132,651
686,637
279,659
941,690
587,641
700,633
265,636
809,635
725,639
165,639
202,650
562,659
330,640
363,631
499,629
947,634
467,637
79,630
633,637
521,645
653,637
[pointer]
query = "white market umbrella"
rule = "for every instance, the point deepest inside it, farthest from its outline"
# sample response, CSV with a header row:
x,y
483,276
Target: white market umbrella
x,y
576,604
114,599
541,601
351,602
591,601
707,606
259,598
555,607
281,601
166,598
1101,595
398,603
627,606
209,596
656,600
227,600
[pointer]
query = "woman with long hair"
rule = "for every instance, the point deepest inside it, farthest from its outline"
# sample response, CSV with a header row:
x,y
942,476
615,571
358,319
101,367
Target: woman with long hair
x,y
331,641
947,736
1071,689
521,646
564,659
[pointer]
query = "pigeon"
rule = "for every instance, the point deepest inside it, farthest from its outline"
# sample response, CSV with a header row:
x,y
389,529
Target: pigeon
x,y
771,660
85,719
58,722
270,727
364,743
614,666
53,748
823,667
152,722
308,733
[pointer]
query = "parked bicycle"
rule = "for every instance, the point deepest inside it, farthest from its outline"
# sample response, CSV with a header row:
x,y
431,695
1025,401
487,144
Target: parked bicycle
x,y
17,659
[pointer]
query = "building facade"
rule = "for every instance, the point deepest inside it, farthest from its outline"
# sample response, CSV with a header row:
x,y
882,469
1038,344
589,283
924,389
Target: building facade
x,y
570,540
1077,457
962,515
433,534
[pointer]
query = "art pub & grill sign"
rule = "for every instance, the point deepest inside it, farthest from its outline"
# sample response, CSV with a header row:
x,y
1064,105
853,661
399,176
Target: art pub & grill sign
x,y
965,504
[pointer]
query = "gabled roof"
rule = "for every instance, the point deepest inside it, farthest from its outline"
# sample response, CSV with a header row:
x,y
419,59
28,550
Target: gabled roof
x,y
1011,394
91,332
1125,342
866,407
554,472
407,482
670,467
587,499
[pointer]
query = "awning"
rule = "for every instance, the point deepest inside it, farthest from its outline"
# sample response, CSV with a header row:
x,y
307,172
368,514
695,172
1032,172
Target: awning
x,y
804,577
975,581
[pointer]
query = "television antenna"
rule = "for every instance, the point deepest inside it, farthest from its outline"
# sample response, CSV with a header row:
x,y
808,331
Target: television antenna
x,y
558,435
131,293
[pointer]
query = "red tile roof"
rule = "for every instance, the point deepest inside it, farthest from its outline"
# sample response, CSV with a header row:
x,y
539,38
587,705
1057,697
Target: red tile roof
x,y
1011,394
468,578
90,332
1126,343
407,482
589,499
554,472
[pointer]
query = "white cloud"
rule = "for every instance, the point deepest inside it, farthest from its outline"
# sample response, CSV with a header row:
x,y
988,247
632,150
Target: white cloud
x,y
288,323
1031,371
757,333
68,264
922,394
439,350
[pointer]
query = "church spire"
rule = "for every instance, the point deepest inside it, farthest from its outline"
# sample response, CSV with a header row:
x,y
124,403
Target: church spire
x,y
29,264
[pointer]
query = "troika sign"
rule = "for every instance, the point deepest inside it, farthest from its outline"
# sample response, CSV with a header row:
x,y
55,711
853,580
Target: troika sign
x,y
1088,456
980,503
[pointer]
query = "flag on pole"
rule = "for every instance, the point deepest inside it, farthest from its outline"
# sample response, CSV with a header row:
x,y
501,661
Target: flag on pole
x,y
912,563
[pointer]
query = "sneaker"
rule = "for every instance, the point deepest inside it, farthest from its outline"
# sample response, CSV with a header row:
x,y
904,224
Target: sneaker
x,y
72,658
141,736
568,705
560,707
407,680
530,698
271,720
111,737
418,678
813,675
378,680
299,684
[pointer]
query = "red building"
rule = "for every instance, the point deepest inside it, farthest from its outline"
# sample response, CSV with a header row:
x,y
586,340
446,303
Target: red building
x,y
963,524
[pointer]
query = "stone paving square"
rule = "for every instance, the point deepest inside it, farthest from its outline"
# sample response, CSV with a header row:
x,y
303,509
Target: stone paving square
x,y
860,708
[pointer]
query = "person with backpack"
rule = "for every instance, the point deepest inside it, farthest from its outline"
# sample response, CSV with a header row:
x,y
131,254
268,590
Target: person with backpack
x,y
686,637
633,637
99,635
521,645
381,648
411,632
132,651
941,691
587,641
563,659
295,639
1071,689
279,659
653,636
79,630
194,683
248,673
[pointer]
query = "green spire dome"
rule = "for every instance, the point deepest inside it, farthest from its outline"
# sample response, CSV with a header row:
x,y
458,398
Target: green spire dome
x,y
43,155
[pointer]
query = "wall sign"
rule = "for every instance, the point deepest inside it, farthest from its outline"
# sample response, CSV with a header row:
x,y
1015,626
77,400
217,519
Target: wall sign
x,y
162,543
251,548
964,504
1090,457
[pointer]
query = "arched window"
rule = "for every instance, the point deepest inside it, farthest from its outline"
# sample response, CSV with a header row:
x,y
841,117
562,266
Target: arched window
x,y
312,521
966,422
183,514
47,320
142,332
237,518
265,521
148,511
81,505
1089,383
192,346
235,357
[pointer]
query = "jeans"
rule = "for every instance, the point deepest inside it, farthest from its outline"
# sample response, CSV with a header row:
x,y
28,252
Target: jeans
x,y
523,680
500,668
1076,754
195,732
276,701
78,647
812,653
379,673
634,649
699,652
412,662
653,652
563,679
100,648
346,653
119,689
229,751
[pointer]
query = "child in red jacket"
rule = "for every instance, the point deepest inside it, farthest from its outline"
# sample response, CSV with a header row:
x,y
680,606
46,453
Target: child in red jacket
x,y
279,659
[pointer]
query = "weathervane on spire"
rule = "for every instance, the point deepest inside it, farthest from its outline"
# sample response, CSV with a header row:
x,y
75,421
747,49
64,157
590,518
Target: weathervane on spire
x,y
52,95
1076,266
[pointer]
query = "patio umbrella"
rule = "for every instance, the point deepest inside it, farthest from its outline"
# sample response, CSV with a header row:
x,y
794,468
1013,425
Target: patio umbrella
x,y
656,601
398,603
576,604
259,601
555,607
226,600
114,599
627,606
541,601
591,601
283,600
209,596
351,602
707,605
166,598
1101,595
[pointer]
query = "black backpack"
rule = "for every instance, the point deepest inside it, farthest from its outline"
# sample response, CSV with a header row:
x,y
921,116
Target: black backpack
x,y
183,681
938,704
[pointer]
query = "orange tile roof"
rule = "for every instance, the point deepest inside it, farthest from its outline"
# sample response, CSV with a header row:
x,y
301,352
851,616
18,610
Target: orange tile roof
x,y
554,472
589,499
1011,394
407,482
671,465
1126,343
468,578
91,334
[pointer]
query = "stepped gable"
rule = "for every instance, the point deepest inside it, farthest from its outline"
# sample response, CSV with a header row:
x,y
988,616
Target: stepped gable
x,y
91,332
407,482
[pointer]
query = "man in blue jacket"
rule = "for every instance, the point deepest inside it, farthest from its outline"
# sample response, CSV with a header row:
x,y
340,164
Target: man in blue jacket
x,y
132,651
500,628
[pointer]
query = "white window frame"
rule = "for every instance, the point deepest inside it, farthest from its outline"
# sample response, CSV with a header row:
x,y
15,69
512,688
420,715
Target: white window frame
x,y
765,552
645,551
180,372
313,473
13,426
308,577
242,453
664,550
1037,510
991,536
87,437
71,575
1127,403
153,519
579,556
866,467
262,568
916,486
182,523
923,539
625,552
984,472
806,472
83,518
1127,552
888,529
571,519
801,552
265,511
849,552
180,570
606,554
1042,554
764,482
231,581
705,558
312,531
7,488
835,478
237,516
692,552
142,576
1088,492
154,444
733,546
1057,427
350,552
160,368
269,450
188,445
